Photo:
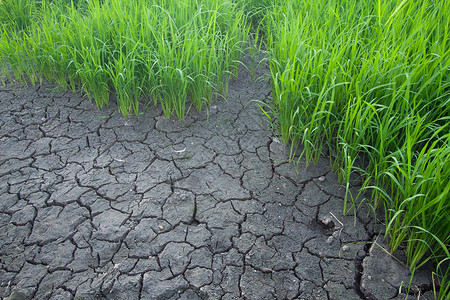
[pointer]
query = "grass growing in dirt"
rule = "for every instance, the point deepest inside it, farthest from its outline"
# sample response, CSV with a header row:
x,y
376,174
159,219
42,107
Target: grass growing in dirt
x,y
163,51
368,79
371,80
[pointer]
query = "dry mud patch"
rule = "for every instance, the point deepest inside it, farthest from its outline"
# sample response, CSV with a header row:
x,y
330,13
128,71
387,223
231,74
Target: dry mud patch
x,y
95,206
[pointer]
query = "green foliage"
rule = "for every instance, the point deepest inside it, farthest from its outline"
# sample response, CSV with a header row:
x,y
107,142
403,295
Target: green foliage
x,y
370,80
255,10
16,14
163,51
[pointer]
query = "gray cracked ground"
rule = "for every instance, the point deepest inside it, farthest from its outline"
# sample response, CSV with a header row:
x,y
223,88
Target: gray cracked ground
x,y
94,206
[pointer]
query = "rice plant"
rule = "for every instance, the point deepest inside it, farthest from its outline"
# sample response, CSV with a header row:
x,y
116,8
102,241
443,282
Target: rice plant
x,y
175,53
370,80
17,14
255,10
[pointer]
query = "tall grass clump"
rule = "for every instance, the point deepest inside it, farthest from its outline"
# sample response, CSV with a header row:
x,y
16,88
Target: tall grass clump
x,y
370,80
167,52
16,14
255,10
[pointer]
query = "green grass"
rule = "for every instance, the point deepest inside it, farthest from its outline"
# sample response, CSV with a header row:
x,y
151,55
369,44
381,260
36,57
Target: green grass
x,y
370,80
255,10
166,52
17,14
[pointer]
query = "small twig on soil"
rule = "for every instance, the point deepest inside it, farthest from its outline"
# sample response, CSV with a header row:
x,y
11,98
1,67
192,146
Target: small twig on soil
x,y
342,225
266,270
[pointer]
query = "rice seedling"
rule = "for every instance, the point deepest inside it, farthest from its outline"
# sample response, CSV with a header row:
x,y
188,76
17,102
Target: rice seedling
x,y
370,80
17,14
167,52
255,10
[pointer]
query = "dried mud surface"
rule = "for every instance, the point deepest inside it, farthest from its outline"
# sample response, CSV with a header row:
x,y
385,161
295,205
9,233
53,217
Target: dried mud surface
x,y
95,206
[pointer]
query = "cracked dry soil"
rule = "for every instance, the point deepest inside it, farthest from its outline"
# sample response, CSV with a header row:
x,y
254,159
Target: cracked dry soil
x,y
95,206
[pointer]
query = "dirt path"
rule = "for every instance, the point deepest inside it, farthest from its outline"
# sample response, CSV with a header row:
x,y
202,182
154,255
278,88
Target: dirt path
x,y
93,206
